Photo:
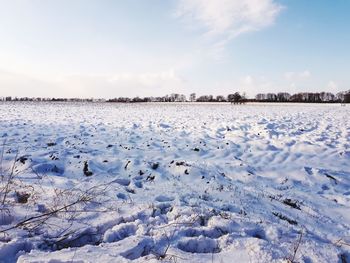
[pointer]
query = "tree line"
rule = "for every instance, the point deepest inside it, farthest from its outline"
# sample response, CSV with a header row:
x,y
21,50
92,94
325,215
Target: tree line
x,y
175,97
9,98
305,97
309,97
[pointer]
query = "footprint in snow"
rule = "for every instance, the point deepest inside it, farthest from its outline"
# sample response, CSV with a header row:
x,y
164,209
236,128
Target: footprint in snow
x,y
122,181
119,232
308,170
199,245
163,198
143,248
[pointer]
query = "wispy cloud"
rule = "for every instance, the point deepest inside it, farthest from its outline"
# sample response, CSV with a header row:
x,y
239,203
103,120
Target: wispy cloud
x,y
125,84
148,79
226,19
332,85
253,85
293,76
108,86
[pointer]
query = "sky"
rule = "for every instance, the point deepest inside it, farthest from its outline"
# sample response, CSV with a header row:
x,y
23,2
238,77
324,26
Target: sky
x,y
113,48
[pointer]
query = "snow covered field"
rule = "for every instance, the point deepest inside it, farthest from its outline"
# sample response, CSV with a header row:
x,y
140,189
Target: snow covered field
x,y
174,182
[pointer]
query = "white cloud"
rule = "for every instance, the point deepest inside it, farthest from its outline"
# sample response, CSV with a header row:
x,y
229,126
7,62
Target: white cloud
x,y
247,80
332,86
21,85
107,86
125,84
293,76
305,74
229,18
148,79
252,85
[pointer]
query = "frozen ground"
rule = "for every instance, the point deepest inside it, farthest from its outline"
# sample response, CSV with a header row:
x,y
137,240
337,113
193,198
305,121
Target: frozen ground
x,y
174,182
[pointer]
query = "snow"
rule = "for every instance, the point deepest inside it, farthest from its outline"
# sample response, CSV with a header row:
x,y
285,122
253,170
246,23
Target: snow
x,y
180,182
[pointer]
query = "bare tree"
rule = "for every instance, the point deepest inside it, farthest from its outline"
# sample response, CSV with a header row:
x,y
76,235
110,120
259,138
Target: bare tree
x,y
220,98
193,97
347,98
234,98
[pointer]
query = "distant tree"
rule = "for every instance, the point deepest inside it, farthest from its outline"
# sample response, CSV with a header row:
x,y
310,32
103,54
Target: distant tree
x,y
159,99
220,98
314,97
283,96
193,97
340,97
327,97
175,97
230,97
166,98
205,98
347,97
244,97
137,99
182,98
298,97
260,97
271,97
234,98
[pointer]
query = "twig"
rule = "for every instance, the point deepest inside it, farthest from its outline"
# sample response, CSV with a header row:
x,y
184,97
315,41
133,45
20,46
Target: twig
x,y
10,177
35,218
296,247
2,157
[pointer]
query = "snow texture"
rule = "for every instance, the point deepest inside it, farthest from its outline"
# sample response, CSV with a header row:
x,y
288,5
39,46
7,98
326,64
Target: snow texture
x,y
99,182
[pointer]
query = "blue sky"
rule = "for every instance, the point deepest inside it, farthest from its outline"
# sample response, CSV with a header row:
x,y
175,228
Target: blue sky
x,y
106,48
